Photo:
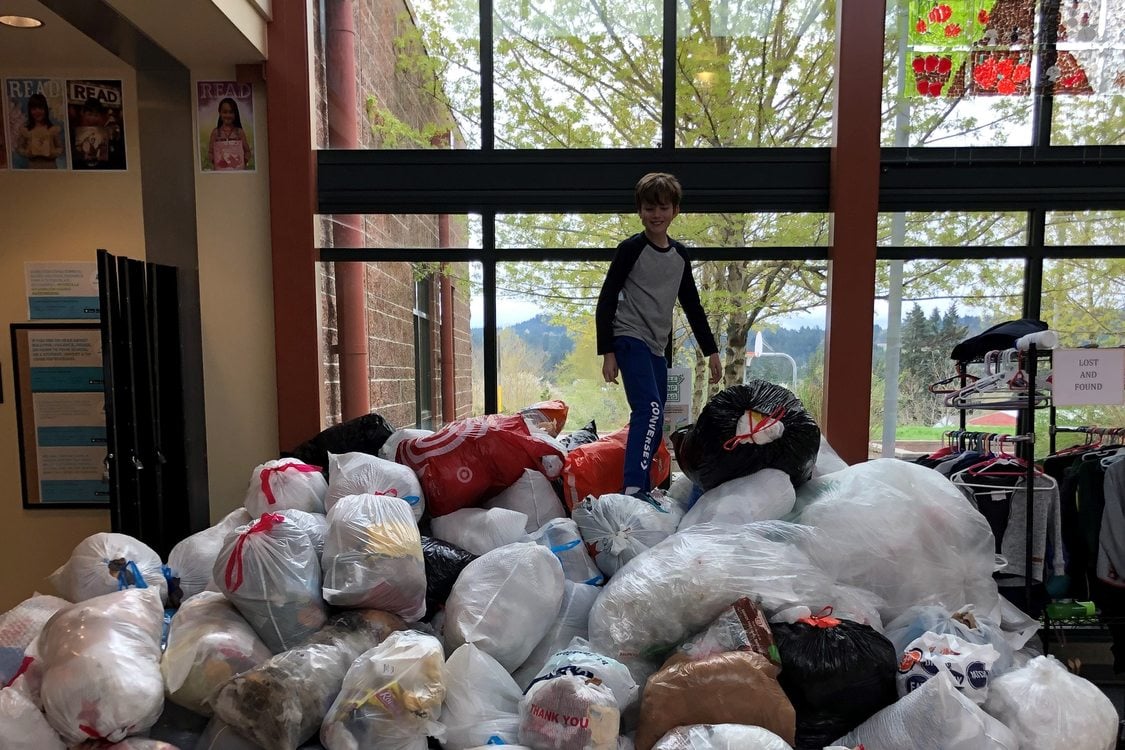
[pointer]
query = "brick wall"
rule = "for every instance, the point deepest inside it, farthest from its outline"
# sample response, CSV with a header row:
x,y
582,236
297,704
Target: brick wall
x,y
390,286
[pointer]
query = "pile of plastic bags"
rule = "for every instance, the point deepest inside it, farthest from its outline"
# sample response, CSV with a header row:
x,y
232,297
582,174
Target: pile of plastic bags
x,y
390,589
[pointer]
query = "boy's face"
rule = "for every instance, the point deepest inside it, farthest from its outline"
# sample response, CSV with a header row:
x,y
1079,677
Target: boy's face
x,y
657,216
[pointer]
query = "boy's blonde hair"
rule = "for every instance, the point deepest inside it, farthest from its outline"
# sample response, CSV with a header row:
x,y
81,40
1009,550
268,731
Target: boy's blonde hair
x,y
658,187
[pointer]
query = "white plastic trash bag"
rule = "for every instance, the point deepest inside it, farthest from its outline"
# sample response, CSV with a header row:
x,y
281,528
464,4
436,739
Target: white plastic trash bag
x,y
19,627
192,560
270,572
569,712
617,528
389,450
681,585
965,624
106,562
373,557
532,495
936,716
765,495
482,702
1048,708
505,601
721,737
827,460
941,550
23,726
561,536
572,622
110,686
285,483
578,660
478,530
391,698
313,524
208,643
363,474
969,665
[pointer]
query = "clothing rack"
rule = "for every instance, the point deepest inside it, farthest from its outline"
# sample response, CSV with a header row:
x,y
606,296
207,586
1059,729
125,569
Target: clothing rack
x,y
1025,446
1100,431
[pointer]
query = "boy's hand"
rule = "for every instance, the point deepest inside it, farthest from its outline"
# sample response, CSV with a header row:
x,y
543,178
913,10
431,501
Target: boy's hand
x,y
716,368
609,367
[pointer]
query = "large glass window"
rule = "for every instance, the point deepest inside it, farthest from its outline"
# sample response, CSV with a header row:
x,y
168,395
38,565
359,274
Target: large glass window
x,y
750,73
953,229
578,73
942,302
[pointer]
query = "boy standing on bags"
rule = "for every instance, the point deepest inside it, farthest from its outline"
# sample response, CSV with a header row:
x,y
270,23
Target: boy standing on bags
x,y
634,322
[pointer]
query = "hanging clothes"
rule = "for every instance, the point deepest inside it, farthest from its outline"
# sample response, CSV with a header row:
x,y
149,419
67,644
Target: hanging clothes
x,y
1002,500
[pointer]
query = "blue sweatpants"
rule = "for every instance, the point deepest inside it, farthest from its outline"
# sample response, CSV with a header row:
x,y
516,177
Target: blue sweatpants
x,y
645,378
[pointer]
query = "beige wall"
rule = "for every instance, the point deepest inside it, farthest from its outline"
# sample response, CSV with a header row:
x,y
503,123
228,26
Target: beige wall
x,y
236,297
66,216
54,216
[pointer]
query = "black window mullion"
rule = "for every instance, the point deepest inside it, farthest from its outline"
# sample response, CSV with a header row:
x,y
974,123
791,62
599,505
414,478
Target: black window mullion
x,y
487,78
1043,95
1033,265
668,79
488,235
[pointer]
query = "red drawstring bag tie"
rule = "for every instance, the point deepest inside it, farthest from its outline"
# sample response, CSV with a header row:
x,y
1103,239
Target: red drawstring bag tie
x,y
265,477
748,437
234,577
822,619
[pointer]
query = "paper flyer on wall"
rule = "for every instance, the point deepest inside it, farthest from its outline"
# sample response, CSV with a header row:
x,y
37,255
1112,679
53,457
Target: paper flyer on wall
x,y
97,127
67,388
225,116
36,122
62,290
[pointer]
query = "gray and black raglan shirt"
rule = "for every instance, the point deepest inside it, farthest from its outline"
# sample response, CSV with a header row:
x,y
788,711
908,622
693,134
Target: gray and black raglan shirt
x,y
639,293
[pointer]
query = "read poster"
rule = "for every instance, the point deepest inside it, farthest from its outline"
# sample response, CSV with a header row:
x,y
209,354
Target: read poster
x,y
36,122
97,128
225,113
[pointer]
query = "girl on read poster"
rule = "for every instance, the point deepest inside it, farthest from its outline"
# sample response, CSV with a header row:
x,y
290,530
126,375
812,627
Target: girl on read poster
x,y
226,126
36,122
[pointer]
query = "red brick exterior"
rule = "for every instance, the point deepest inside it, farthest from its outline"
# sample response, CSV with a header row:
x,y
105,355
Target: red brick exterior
x,y
390,286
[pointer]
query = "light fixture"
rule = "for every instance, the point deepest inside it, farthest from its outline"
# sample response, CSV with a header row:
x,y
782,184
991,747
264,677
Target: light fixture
x,y
21,22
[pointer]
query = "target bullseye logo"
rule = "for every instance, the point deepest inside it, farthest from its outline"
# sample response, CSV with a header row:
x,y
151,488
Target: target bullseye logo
x,y
464,475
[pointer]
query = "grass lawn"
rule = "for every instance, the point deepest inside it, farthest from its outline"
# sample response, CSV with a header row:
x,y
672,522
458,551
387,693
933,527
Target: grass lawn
x,y
922,432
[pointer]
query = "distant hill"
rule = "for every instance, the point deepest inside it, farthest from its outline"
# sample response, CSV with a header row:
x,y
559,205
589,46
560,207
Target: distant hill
x,y
799,343
540,333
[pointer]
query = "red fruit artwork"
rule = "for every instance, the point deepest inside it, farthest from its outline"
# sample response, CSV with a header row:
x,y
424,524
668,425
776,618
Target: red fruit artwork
x,y
1006,86
1021,73
953,30
935,88
919,65
982,17
921,26
945,65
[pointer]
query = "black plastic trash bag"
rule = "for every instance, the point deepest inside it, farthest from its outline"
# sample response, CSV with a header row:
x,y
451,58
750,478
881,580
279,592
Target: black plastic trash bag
x,y
745,428
587,434
364,434
444,562
837,674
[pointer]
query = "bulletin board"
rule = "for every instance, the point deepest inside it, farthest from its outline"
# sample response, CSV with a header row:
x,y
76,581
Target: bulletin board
x,y
60,414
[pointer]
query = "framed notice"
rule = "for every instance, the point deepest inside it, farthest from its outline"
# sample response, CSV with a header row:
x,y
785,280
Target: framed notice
x,y
60,414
